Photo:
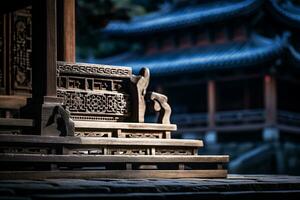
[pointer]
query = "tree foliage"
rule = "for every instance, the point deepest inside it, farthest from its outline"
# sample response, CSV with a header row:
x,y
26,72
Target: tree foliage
x,y
92,15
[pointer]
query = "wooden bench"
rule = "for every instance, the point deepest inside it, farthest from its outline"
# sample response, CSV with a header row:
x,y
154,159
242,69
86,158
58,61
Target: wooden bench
x,y
108,101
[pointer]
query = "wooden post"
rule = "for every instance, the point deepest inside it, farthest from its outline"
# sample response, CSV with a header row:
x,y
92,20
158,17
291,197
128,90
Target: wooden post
x,y
270,99
211,135
66,30
44,51
270,132
211,100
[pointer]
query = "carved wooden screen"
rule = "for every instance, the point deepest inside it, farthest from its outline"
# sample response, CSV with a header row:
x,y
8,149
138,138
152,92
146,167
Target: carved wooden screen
x,y
95,92
22,50
16,52
2,54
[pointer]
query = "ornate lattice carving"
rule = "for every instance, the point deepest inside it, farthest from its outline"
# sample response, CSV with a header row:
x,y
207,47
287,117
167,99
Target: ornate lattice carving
x,y
92,84
22,49
95,118
174,152
93,134
90,151
95,92
127,151
95,103
142,135
92,69
25,150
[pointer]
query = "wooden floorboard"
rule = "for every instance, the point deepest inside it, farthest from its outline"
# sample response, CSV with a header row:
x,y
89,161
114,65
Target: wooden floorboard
x,y
132,174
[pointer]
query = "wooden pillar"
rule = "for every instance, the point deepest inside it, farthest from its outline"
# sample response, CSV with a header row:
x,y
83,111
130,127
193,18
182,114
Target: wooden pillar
x,y
66,30
270,132
44,57
211,100
44,49
270,97
211,135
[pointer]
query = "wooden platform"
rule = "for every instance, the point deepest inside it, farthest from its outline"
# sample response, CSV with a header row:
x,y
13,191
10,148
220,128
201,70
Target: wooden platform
x,y
123,174
117,166
32,144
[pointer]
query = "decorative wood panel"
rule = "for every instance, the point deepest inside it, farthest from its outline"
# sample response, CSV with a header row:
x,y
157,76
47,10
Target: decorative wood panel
x,y
16,52
95,92
22,50
2,54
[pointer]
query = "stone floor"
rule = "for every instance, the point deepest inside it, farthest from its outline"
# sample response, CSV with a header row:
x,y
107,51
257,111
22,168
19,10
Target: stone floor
x,y
234,187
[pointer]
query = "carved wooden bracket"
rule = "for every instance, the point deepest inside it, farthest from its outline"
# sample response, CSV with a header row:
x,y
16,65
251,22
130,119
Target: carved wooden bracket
x,y
160,104
141,82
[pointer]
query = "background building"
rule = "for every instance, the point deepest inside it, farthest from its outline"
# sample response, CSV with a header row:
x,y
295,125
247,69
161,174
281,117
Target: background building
x,y
231,72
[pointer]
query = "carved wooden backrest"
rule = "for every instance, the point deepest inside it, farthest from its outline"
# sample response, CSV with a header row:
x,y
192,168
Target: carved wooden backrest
x,y
95,92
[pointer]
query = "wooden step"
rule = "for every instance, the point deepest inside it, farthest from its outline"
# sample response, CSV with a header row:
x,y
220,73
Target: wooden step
x,y
123,174
36,139
112,159
123,129
113,166
125,126
96,146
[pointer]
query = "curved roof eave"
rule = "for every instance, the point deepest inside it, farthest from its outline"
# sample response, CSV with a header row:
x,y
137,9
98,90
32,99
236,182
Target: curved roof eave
x,y
183,18
294,56
264,50
288,14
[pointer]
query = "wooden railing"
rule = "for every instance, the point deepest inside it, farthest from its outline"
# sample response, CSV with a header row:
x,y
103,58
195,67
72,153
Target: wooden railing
x,y
199,119
288,118
222,118
240,117
236,120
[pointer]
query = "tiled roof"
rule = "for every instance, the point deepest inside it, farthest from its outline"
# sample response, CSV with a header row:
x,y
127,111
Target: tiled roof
x,y
171,19
286,11
294,56
218,57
